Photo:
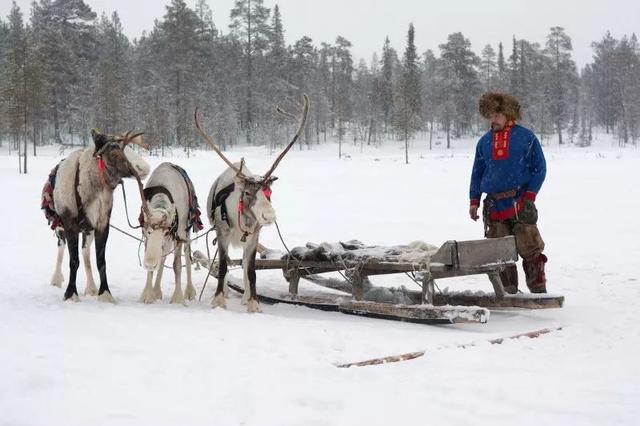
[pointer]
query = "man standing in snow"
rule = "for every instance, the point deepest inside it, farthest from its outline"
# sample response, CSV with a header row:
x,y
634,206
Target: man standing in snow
x,y
510,168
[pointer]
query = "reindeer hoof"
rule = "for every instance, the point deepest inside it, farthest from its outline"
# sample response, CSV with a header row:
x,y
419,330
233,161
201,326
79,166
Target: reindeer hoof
x,y
219,302
73,298
147,297
178,298
157,294
57,280
106,297
253,306
190,292
91,290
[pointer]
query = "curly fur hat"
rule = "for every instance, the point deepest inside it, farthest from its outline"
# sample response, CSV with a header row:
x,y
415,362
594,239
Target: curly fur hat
x,y
501,103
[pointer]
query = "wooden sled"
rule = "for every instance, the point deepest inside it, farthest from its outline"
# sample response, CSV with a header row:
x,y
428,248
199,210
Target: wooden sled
x,y
422,314
359,297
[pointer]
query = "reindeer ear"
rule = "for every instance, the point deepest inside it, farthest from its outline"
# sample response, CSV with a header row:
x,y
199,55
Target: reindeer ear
x,y
238,180
98,140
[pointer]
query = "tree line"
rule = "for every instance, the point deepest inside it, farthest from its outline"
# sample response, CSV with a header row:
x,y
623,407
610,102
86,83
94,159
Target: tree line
x,y
65,70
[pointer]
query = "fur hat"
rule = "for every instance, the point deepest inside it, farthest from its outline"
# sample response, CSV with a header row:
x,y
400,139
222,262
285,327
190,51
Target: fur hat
x,y
500,103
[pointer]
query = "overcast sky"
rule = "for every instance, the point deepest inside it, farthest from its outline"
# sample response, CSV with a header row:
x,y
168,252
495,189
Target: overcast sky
x,y
366,23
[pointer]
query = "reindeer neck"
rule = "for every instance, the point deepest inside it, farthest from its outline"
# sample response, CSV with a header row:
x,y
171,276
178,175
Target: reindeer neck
x,y
90,182
96,200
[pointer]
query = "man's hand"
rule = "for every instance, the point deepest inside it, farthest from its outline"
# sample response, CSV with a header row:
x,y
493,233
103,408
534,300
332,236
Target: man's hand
x,y
473,212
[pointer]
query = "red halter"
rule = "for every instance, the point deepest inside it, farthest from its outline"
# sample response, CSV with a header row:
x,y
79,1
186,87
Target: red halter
x,y
267,192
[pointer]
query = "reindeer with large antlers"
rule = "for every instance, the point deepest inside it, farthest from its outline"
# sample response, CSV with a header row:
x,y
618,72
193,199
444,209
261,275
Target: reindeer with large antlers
x,y
238,206
77,199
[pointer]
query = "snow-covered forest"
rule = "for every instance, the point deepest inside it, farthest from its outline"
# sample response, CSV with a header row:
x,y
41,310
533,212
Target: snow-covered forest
x,y
64,70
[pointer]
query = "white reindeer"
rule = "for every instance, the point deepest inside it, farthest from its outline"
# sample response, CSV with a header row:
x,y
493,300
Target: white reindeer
x,y
81,201
167,225
238,206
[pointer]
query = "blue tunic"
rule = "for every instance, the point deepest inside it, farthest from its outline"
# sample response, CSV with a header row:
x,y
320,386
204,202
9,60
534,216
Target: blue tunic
x,y
523,170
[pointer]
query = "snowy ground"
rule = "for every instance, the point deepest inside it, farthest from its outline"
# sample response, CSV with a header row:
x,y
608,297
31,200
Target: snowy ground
x,y
95,364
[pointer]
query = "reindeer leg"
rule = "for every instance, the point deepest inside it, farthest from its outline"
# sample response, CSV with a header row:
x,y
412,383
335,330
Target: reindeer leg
x,y
178,296
58,278
87,239
157,289
249,266
190,291
245,279
218,299
147,295
104,294
225,289
74,262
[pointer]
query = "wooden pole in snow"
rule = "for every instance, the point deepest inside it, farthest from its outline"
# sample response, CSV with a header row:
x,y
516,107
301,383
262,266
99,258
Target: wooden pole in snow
x,y
413,355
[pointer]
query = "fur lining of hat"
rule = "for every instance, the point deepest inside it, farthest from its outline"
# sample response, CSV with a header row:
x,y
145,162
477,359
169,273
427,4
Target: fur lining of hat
x,y
499,103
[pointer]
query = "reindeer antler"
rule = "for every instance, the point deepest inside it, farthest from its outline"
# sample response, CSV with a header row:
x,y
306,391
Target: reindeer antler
x,y
303,120
145,204
135,139
215,147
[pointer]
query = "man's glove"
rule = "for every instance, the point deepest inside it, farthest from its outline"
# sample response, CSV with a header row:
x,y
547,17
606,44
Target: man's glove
x,y
473,212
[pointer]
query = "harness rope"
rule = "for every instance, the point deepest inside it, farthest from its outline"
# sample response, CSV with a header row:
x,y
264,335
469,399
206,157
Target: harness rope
x,y
214,242
141,240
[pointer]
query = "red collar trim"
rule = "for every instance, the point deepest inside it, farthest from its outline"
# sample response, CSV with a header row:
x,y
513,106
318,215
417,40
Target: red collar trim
x,y
500,143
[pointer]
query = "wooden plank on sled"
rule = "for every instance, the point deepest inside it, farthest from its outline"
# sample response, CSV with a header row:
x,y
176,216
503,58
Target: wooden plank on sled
x,y
475,253
328,266
424,314
491,301
470,257
521,301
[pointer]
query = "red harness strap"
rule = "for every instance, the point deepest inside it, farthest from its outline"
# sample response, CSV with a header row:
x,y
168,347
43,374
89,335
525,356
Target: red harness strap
x,y
241,209
102,169
267,192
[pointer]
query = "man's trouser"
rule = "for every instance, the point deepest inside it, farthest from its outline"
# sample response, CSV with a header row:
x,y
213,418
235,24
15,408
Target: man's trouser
x,y
529,245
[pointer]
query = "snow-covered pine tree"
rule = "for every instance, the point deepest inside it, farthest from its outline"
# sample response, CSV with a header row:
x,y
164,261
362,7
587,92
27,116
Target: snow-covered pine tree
x,y
562,78
606,88
342,72
389,58
430,92
407,99
180,48
113,77
514,81
627,73
460,79
14,87
501,83
488,67
65,40
249,24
